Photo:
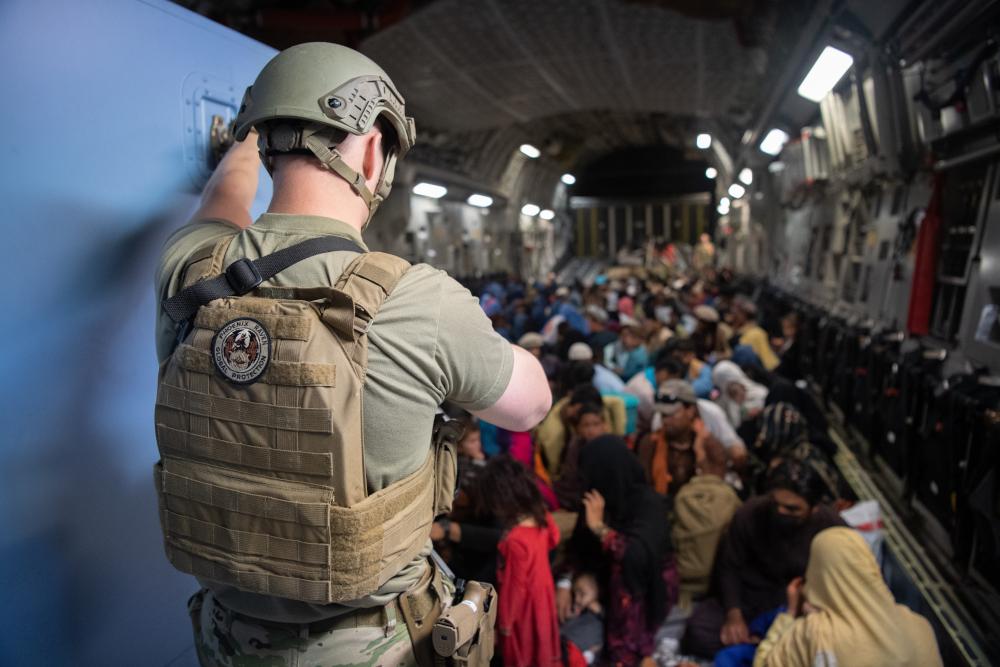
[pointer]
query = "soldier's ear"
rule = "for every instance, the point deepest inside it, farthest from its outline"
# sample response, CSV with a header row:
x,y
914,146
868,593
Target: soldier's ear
x,y
374,156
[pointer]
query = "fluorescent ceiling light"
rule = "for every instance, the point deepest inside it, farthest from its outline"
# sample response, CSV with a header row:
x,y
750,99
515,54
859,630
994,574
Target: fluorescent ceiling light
x,y
774,141
530,209
703,141
711,172
547,214
568,179
736,190
482,201
722,210
776,166
530,151
430,190
724,202
746,175
828,69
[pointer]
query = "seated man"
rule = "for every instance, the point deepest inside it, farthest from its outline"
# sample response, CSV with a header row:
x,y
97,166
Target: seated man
x,y
643,386
671,454
766,546
604,379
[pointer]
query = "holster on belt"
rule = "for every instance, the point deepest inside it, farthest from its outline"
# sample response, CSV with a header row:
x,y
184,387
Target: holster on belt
x,y
463,635
421,606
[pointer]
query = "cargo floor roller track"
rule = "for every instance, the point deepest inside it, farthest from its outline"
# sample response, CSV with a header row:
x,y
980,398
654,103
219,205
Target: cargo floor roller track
x,y
972,639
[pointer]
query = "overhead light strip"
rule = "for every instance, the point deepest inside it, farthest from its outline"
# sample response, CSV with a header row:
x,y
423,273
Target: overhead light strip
x,y
826,72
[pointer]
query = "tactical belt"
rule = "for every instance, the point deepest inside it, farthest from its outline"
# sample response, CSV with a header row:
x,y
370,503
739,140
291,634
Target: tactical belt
x,y
245,274
373,617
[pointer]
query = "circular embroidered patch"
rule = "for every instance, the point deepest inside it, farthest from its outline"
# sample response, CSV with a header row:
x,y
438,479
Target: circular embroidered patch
x,y
241,350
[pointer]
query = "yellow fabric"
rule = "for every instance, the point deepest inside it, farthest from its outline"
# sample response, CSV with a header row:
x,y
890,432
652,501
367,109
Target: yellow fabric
x,y
551,434
858,623
756,338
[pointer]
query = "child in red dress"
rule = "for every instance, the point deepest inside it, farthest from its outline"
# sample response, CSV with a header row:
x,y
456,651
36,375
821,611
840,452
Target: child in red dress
x,y
527,626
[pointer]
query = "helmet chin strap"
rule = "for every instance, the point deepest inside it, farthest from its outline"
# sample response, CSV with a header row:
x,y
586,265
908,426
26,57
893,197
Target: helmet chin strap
x,y
334,161
317,140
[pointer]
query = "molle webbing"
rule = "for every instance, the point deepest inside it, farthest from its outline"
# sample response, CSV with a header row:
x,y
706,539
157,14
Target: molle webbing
x,y
289,327
176,442
289,373
268,508
245,543
367,543
312,420
254,580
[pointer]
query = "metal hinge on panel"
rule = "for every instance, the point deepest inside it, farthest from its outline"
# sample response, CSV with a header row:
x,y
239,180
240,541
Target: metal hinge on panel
x,y
210,106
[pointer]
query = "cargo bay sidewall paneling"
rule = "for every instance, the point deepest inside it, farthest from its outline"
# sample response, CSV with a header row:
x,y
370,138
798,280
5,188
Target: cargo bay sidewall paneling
x,y
106,109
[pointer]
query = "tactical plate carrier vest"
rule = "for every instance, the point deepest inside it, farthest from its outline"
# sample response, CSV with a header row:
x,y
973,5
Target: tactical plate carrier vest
x,y
261,481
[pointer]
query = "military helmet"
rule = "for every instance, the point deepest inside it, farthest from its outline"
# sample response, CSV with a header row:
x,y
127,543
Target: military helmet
x,y
322,90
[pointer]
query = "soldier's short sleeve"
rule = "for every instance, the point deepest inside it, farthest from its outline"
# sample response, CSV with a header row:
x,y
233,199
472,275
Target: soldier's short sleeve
x,y
475,361
177,251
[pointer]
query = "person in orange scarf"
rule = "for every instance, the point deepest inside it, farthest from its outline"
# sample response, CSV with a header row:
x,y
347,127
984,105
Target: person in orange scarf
x,y
845,615
671,454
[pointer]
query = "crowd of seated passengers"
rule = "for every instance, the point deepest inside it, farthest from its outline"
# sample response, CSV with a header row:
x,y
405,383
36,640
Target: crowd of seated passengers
x,y
682,486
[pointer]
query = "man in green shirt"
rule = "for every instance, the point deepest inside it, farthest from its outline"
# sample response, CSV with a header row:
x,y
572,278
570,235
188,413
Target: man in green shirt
x,y
429,342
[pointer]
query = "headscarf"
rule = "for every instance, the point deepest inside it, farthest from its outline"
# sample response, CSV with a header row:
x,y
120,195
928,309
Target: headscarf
x,y
784,433
781,428
632,508
859,621
783,391
726,373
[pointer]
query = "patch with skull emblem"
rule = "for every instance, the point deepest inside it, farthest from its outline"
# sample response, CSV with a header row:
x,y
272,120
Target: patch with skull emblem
x,y
241,350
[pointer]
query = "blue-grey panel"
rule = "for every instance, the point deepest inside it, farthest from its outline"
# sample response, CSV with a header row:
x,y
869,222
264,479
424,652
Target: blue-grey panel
x,y
98,100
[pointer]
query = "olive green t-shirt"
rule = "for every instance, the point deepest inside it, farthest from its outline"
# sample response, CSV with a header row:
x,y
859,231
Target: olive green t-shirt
x,y
430,342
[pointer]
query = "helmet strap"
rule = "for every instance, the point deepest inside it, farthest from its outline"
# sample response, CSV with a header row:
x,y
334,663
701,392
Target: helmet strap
x,y
332,160
317,142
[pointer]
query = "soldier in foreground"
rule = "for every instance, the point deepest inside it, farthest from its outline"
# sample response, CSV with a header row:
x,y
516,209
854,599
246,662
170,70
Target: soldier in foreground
x,y
300,376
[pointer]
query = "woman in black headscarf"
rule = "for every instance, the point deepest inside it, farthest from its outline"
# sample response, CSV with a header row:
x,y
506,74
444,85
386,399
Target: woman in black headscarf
x,y
783,391
785,434
623,535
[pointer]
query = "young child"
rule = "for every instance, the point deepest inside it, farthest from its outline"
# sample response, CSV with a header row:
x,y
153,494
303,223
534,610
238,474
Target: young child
x,y
527,625
471,458
585,628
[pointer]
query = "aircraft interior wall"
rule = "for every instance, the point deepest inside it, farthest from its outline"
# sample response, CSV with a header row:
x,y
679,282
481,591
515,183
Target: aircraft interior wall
x,y
104,104
844,236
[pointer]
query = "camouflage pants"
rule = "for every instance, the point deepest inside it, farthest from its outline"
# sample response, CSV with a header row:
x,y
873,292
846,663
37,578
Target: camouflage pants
x,y
224,639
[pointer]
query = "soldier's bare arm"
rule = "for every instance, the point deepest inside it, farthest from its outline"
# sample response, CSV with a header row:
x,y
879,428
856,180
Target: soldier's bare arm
x,y
527,398
230,191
